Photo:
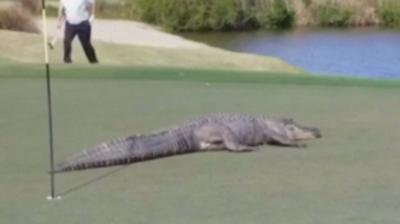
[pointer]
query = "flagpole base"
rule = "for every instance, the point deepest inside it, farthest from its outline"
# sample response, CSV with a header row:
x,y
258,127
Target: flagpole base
x,y
55,198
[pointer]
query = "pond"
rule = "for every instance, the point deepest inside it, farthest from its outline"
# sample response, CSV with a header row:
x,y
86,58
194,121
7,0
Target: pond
x,y
361,52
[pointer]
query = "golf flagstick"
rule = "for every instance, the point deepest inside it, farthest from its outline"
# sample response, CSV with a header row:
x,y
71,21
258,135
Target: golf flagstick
x,y
52,195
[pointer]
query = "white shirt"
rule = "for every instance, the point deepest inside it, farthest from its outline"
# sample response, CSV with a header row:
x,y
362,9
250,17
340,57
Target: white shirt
x,y
76,11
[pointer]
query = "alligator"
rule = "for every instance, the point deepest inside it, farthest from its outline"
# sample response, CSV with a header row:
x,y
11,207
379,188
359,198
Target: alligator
x,y
214,132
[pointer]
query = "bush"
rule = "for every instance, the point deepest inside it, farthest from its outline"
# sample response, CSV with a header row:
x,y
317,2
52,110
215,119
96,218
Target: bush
x,y
223,15
186,15
332,14
307,3
33,6
116,10
189,15
278,15
17,18
174,15
51,11
389,12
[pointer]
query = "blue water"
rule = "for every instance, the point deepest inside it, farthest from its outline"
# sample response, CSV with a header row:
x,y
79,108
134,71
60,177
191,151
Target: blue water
x,y
366,52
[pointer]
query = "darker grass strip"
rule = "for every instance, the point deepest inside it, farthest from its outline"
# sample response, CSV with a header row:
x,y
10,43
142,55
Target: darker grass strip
x,y
187,75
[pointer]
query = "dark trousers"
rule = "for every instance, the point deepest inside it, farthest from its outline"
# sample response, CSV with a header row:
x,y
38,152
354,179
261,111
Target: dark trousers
x,y
83,30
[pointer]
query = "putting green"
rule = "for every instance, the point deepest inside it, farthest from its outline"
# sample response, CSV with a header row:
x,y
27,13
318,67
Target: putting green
x,y
349,176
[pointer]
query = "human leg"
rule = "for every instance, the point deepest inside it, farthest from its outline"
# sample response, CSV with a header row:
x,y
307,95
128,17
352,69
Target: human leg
x,y
69,35
84,35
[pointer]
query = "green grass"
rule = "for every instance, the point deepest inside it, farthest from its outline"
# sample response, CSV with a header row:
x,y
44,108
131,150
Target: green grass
x,y
349,176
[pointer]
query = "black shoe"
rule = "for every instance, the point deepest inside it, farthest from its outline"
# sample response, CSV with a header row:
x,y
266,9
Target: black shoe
x,y
67,61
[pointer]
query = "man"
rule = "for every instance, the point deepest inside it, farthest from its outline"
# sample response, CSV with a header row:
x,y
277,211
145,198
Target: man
x,y
78,16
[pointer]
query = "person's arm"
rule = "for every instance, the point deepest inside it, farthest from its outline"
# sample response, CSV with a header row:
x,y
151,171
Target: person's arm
x,y
61,15
91,10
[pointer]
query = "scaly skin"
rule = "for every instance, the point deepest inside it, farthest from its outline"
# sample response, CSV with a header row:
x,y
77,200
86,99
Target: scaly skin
x,y
232,132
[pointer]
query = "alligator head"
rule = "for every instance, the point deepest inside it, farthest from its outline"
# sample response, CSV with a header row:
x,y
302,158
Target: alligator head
x,y
298,132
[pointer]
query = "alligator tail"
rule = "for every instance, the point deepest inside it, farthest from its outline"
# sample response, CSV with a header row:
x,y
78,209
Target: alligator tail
x,y
127,150
113,153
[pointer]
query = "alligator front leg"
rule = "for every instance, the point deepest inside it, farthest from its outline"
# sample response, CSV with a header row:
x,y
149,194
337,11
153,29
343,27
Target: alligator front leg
x,y
212,137
293,144
232,145
283,141
241,148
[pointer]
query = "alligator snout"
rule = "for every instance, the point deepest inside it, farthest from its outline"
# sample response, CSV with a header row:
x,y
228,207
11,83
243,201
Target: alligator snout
x,y
317,133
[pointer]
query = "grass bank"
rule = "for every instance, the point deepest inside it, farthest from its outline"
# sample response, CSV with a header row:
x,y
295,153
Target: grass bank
x,y
349,176
28,48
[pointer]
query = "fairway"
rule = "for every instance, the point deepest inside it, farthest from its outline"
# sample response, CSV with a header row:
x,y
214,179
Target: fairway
x,y
349,176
